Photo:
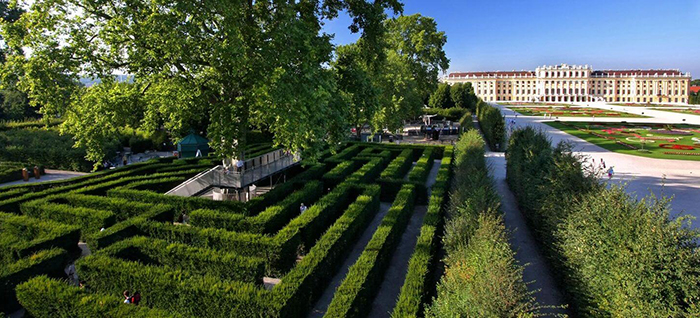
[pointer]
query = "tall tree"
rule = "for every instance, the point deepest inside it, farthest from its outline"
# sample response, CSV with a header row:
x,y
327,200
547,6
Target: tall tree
x,y
441,97
459,95
233,64
415,58
356,86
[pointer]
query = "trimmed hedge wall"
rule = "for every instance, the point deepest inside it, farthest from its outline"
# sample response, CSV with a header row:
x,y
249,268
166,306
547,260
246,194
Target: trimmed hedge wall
x,y
346,153
123,209
354,296
128,228
482,277
22,236
300,288
276,217
174,290
339,173
49,262
196,260
89,220
43,297
280,192
492,125
181,204
419,283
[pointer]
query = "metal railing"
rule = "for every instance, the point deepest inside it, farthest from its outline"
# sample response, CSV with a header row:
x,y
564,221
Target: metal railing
x,y
251,171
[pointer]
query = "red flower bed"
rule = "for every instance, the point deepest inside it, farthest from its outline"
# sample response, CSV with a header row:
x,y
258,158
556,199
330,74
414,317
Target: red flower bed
x,y
677,147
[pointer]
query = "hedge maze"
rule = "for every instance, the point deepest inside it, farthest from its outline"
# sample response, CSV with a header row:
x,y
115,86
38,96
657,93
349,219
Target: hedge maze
x,y
262,258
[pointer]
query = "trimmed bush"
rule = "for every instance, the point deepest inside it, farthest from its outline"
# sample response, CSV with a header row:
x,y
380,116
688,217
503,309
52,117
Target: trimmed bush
x,y
174,290
280,192
128,228
304,284
196,260
123,209
275,217
339,173
49,298
345,154
482,277
181,204
89,220
22,236
492,124
353,298
215,219
50,262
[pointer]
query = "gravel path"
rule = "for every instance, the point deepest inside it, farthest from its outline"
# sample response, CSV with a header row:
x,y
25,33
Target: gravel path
x,y
322,304
51,175
395,274
537,272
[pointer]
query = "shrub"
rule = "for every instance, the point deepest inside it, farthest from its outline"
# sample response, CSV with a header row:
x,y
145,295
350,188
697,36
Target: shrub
x,y
482,277
181,204
50,262
280,192
196,260
22,236
275,217
354,296
345,154
45,297
629,258
123,209
492,125
89,220
303,285
339,173
173,290
128,228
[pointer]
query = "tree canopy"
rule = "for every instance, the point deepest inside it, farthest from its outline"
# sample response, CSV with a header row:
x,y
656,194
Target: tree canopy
x,y
230,64
441,97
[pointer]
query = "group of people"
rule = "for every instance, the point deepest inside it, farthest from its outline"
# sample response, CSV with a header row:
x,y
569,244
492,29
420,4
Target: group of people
x,y
609,170
132,299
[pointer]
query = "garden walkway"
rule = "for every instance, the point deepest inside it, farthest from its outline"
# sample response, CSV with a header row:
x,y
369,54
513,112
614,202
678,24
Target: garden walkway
x,y
677,178
395,274
537,272
51,175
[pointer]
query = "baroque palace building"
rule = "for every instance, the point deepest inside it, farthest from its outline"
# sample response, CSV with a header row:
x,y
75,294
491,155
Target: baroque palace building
x,y
576,83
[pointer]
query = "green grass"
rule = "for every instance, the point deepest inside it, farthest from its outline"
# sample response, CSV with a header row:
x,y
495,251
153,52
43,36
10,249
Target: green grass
x,y
689,110
571,112
652,150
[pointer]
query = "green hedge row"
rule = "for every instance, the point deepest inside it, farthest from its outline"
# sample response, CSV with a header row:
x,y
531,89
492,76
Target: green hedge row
x,y
368,172
170,179
22,236
492,124
300,288
419,283
132,168
43,297
617,256
47,262
482,277
12,193
339,173
89,220
466,122
277,216
280,192
196,260
346,153
398,167
181,204
419,175
122,230
49,188
174,290
354,296
122,208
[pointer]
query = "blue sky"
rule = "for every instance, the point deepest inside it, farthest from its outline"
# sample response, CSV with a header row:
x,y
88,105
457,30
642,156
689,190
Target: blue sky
x,y
515,35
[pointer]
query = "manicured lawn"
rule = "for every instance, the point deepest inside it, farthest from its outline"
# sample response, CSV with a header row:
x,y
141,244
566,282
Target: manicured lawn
x,y
690,111
680,142
570,112
536,104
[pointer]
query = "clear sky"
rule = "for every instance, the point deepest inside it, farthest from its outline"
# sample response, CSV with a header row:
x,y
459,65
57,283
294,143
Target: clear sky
x,y
516,35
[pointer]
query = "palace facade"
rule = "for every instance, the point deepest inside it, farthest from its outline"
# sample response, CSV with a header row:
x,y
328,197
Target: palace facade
x,y
576,83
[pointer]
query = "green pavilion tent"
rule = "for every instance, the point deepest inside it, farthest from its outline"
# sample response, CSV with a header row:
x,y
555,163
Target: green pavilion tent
x,y
187,147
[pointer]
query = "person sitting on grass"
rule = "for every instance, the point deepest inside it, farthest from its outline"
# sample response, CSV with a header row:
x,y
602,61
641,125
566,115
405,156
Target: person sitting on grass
x,y
127,298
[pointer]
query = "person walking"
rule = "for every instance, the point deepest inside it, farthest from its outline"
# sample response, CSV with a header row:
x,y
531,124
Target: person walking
x,y
302,208
611,172
602,163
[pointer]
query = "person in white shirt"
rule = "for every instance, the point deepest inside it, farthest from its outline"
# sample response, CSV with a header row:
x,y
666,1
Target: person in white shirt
x,y
302,208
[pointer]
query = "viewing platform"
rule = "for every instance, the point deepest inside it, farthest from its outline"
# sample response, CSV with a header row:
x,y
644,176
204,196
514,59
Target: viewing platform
x,y
252,170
